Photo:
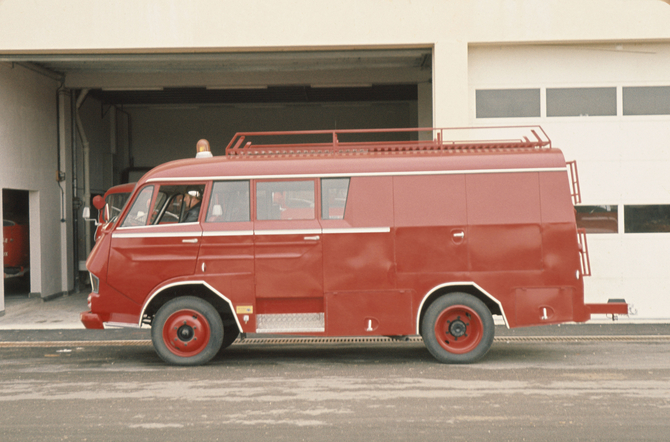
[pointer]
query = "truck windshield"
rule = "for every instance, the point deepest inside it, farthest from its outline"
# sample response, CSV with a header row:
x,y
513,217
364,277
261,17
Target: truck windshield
x,y
137,216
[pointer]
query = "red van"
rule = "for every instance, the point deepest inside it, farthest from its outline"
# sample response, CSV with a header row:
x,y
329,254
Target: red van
x,y
347,238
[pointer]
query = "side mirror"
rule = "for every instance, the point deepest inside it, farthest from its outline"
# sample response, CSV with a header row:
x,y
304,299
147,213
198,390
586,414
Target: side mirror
x,y
86,214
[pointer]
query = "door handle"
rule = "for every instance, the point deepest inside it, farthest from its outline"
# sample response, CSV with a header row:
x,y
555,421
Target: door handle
x,y
190,241
459,234
312,238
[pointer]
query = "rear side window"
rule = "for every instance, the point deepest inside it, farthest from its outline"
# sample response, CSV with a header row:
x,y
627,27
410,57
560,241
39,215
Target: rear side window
x,y
278,200
334,193
137,216
229,202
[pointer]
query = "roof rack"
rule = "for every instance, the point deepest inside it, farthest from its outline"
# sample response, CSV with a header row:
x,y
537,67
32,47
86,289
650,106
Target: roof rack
x,y
330,142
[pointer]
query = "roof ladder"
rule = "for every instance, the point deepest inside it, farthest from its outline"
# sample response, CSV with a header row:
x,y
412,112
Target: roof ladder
x,y
396,141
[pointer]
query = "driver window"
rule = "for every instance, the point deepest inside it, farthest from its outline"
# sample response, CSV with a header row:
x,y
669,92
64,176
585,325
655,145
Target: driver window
x,y
177,204
137,216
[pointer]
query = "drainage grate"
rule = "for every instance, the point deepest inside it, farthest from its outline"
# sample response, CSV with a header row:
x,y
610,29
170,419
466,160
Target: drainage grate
x,y
339,340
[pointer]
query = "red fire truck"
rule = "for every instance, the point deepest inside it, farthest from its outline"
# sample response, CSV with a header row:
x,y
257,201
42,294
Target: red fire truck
x,y
16,249
340,237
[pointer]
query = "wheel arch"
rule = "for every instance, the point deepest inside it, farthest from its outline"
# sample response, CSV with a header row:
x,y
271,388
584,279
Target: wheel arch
x,y
469,287
198,289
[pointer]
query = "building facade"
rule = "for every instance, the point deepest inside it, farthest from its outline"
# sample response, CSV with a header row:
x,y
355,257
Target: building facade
x,y
93,94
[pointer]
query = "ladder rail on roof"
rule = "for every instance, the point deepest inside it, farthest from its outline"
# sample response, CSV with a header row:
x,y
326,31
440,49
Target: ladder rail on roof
x,y
534,138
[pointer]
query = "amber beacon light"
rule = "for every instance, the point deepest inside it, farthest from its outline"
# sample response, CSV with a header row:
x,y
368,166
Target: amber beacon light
x,y
202,149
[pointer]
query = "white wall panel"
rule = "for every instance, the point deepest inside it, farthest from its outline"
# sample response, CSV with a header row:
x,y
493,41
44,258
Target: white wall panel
x,y
621,159
156,24
28,152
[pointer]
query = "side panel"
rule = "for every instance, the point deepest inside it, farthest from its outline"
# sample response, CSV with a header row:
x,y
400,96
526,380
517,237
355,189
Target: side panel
x,y
504,221
431,224
561,247
499,248
358,251
369,313
226,262
543,305
141,258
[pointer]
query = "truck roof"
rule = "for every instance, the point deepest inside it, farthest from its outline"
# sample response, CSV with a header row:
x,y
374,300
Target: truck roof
x,y
362,158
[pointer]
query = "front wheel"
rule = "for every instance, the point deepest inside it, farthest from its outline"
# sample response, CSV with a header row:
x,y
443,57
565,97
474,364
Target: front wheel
x,y
457,329
187,331
230,334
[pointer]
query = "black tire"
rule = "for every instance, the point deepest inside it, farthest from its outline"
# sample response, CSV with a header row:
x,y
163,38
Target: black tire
x,y
187,331
457,329
230,333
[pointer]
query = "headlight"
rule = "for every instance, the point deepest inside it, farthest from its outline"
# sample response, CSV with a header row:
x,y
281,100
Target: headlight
x,y
95,283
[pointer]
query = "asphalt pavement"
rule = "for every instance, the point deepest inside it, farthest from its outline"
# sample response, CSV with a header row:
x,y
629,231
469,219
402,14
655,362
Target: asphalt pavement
x,y
598,381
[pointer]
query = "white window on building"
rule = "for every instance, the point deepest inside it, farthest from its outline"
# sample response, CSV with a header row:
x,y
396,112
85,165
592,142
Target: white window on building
x,y
579,102
507,103
649,100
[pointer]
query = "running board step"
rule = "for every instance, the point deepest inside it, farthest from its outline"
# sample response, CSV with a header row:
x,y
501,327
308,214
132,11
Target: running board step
x,y
290,323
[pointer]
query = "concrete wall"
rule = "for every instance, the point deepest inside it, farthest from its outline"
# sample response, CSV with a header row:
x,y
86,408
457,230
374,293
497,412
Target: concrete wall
x,y
159,24
28,158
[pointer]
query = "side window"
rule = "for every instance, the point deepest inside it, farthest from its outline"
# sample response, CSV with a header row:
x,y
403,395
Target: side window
x,y
137,215
229,202
277,200
334,193
172,208
177,204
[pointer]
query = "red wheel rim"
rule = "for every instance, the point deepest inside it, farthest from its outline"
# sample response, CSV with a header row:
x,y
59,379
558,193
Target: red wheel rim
x,y
186,333
459,329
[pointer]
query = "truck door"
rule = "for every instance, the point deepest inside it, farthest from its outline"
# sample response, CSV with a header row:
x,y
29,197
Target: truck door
x,y
226,259
288,255
157,240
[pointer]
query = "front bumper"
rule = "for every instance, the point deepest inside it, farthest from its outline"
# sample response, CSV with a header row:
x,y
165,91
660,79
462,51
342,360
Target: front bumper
x,y
91,320
14,272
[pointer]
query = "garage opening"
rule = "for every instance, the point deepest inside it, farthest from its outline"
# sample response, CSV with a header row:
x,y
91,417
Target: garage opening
x,y
155,106
139,110
164,125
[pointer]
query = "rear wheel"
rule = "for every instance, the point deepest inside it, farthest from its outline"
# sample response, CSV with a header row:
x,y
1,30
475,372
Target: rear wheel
x,y
457,329
187,331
